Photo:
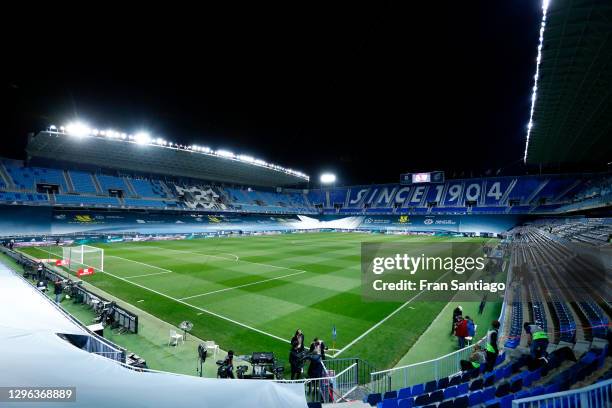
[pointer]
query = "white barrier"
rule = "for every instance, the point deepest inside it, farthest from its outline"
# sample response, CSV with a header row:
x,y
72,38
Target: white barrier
x,y
597,395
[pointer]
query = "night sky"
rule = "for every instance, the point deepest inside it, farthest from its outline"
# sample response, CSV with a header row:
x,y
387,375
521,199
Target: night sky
x,y
367,91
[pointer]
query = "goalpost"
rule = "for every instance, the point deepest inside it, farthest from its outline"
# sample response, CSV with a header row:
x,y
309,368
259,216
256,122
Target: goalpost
x,y
83,256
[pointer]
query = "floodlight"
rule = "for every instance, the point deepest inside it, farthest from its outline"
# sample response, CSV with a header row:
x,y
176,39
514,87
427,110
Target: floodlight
x,y
140,138
52,127
225,153
246,158
77,129
328,178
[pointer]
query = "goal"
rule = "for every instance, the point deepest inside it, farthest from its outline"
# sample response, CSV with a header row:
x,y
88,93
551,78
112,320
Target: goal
x,y
83,256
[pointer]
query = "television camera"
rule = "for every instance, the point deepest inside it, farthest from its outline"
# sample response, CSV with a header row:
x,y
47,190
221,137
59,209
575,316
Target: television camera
x,y
263,366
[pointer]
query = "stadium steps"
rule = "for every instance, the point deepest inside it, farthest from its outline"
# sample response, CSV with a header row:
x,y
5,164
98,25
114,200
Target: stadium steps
x,y
68,180
130,187
8,181
96,183
167,190
535,192
568,189
594,376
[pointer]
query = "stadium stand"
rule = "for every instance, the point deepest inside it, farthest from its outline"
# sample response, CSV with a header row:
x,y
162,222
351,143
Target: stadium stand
x,y
80,200
83,182
26,178
550,194
111,183
24,197
148,188
199,197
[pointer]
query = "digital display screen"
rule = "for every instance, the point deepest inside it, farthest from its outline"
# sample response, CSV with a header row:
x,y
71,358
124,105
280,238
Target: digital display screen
x,y
421,177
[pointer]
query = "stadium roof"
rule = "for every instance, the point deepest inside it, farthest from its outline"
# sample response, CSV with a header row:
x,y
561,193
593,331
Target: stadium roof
x,y
572,110
160,157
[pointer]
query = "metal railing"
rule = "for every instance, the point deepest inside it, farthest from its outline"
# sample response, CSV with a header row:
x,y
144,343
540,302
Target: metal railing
x,y
447,365
597,395
336,387
408,375
345,381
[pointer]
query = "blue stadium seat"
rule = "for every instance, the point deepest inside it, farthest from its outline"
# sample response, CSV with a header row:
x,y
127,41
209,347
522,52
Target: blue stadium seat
x,y
404,393
450,392
461,402
443,382
421,400
431,386
456,380
405,403
475,398
389,395
82,182
418,389
447,404
373,399
436,396
476,385
488,393
388,403
462,389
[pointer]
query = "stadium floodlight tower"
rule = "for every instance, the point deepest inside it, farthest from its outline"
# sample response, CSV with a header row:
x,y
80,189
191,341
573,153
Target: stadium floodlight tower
x,y
327,179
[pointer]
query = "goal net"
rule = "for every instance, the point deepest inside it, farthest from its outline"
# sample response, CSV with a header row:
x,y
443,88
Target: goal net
x,y
83,256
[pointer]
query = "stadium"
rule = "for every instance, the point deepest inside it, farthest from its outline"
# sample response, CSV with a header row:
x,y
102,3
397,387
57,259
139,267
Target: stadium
x,y
136,270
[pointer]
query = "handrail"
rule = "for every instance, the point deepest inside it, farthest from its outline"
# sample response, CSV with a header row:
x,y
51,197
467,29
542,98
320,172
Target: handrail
x,y
592,396
442,366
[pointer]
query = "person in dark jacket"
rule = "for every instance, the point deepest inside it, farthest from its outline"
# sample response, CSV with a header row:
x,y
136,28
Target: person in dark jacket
x,y
456,314
227,367
59,290
298,339
39,271
296,361
318,347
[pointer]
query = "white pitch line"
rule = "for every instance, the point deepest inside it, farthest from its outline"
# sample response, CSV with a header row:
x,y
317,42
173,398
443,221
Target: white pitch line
x,y
148,274
138,262
220,257
165,271
383,320
246,326
242,286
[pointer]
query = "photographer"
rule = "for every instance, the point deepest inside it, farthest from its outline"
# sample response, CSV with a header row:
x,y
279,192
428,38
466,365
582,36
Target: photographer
x,y
298,338
226,370
39,271
296,361
318,347
58,290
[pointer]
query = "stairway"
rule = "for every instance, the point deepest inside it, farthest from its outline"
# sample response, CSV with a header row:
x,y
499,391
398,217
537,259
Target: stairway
x,y
5,176
68,180
96,184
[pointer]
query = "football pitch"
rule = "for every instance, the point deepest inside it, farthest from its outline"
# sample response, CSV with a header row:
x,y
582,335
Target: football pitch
x,y
251,293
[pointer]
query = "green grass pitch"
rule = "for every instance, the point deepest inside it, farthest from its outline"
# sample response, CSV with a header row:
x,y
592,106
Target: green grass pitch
x,y
251,293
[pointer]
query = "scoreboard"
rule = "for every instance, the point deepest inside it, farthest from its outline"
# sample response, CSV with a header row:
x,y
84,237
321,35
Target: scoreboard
x,y
417,178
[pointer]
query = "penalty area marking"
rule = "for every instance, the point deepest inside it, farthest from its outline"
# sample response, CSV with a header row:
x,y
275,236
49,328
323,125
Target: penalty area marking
x,y
202,310
164,271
